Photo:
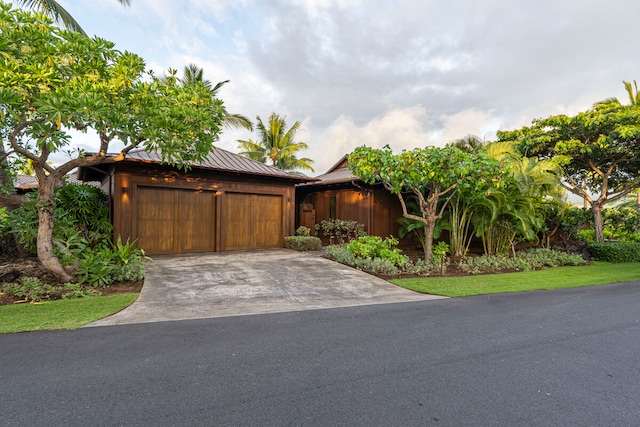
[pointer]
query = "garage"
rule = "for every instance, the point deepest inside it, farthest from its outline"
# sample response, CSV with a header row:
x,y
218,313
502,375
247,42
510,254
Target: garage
x,y
227,202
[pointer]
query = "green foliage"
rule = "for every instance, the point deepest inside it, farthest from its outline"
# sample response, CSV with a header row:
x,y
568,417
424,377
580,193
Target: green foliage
x,y
432,174
375,247
342,255
526,260
30,288
597,151
276,144
77,290
615,252
96,268
440,252
303,243
105,265
340,231
81,219
88,208
303,231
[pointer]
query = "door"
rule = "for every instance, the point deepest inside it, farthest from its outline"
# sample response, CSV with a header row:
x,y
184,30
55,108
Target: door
x,y
252,221
175,221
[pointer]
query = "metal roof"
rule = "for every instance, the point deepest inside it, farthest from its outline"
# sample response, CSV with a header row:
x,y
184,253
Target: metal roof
x,y
223,160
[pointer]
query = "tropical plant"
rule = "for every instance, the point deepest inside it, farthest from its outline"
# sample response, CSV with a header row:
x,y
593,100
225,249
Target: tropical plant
x,y
276,144
433,175
57,13
598,152
192,74
53,80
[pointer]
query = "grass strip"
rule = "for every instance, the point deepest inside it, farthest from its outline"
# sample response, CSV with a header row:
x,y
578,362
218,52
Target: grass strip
x,y
60,314
598,273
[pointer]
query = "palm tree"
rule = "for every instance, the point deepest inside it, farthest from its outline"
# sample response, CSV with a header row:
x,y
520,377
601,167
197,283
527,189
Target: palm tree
x,y
192,73
277,145
59,14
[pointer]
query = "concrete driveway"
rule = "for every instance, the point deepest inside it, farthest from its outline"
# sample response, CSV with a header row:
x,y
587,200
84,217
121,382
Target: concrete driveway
x,y
193,286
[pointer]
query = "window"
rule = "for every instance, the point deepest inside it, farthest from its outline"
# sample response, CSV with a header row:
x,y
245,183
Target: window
x,y
332,206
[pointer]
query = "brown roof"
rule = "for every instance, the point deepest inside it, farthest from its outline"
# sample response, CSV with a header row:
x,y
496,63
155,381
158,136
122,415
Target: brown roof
x,y
337,174
223,160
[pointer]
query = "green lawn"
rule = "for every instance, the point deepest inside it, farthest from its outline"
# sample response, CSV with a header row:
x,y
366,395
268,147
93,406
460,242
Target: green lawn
x,y
598,273
60,314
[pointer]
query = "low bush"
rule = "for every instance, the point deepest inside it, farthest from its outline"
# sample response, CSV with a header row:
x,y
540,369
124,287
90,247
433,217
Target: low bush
x,y
615,251
303,231
374,247
302,243
340,231
342,254
526,260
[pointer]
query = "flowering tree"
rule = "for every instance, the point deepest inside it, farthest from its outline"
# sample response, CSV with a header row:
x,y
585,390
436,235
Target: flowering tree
x,y
432,174
53,80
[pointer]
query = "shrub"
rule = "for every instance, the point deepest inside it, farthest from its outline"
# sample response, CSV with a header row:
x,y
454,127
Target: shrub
x,y
302,243
615,251
103,266
81,219
342,255
303,231
526,260
373,247
341,231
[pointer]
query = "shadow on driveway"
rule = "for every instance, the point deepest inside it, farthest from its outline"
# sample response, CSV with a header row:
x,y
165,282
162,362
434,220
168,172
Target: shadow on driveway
x,y
193,286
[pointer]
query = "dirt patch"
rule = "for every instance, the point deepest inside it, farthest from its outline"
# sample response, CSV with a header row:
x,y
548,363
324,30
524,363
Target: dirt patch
x,y
13,271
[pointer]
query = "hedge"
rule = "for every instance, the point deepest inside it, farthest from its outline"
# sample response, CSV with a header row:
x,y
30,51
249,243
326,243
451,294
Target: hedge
x,y
615,251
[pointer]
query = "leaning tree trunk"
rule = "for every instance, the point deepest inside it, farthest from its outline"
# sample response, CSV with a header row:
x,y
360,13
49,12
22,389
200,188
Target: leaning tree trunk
x,y
598,223
47,257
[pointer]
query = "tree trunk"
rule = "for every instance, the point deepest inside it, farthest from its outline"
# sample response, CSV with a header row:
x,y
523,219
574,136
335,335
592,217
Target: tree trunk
x,y
428,241
45,231
598,224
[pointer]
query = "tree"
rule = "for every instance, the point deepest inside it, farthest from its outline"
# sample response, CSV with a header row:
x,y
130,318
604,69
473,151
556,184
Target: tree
x,y
192,73
53,80
598,152
57,13
276,144
432,174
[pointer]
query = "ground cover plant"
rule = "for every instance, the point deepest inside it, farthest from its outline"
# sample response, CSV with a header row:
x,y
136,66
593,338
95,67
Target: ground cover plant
x,y
598,273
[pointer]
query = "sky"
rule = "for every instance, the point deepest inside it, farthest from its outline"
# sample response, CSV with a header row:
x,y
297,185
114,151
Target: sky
x,y
408,73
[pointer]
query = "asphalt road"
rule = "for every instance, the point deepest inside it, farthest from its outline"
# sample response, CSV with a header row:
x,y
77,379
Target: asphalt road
x,y
554,358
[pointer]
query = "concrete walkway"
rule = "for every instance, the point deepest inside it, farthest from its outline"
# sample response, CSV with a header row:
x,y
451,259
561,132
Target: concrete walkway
x,y
193,286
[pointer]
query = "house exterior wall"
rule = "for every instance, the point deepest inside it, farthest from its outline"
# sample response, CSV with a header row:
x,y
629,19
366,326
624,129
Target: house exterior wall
x,y
376,208
125,183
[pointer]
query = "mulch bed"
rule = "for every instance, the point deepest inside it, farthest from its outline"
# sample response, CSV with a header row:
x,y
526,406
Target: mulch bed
x,y
13,270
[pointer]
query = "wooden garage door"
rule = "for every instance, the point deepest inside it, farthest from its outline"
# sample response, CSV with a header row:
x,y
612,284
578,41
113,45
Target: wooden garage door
x,y
175,221
252,221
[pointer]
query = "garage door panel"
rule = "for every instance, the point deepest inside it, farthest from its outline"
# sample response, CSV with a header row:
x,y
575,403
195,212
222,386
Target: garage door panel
x,y
196,221
156,220
252,221
268,221
175,221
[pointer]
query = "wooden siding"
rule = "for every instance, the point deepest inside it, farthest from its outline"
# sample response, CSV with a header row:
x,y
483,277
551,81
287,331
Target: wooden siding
x,y
171,211
175,221
377,209
252,221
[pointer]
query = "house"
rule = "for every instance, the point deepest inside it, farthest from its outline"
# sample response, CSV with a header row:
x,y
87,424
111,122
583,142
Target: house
x,y
338,194
227,202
